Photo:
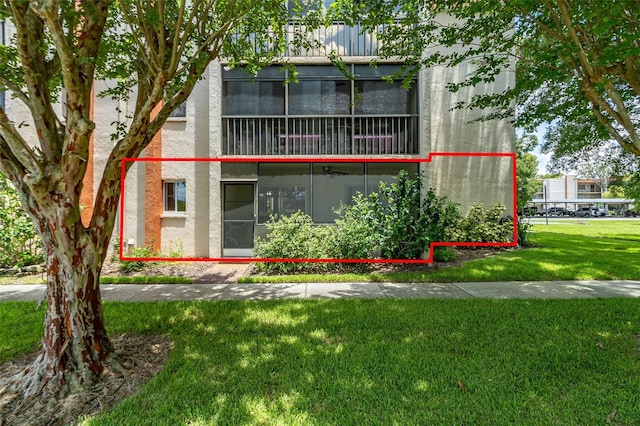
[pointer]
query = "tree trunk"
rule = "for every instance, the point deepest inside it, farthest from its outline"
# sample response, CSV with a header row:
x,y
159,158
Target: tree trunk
x,y
75,347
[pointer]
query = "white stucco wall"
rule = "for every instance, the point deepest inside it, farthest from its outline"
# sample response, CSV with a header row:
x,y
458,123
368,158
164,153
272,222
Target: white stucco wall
x,y
215,138
467,180
188,138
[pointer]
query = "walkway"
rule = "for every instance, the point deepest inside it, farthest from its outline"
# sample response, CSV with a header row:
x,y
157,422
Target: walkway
x,y
491,290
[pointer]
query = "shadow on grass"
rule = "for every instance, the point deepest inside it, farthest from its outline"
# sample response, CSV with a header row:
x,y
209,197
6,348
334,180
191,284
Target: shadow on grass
x,y
384,362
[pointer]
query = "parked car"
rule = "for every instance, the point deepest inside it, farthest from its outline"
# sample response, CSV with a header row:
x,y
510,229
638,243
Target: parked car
x,y
591,212
554,211
529,211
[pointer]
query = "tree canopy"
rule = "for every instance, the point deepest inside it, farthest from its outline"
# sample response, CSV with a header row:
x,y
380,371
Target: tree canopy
x,y
527,169
576,61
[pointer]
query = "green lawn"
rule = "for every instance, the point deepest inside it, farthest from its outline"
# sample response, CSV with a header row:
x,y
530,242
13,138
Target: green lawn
x,y
376,361
576,250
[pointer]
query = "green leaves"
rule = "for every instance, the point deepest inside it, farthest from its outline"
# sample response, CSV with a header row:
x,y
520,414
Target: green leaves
x,y
575,61
19,243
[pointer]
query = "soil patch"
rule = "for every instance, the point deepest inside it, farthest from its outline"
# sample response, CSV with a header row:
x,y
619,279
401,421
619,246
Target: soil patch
x,y
141,358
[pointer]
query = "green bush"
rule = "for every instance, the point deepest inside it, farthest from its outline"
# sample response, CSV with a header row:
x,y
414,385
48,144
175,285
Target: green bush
x,y
293,237
356,232
444,254
484,226
20,245
398,221
523,232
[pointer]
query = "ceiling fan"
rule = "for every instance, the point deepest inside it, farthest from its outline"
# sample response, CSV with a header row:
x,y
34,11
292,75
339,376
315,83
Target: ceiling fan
x,y
328,170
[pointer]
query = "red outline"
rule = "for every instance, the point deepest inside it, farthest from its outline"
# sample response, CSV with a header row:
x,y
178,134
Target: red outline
x,y
321,160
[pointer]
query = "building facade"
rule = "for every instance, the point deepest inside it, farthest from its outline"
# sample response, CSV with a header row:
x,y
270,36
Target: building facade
x,y
272,148
572,193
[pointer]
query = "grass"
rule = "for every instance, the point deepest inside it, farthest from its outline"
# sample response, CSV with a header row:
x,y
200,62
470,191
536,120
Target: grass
x,y
345,361
577,250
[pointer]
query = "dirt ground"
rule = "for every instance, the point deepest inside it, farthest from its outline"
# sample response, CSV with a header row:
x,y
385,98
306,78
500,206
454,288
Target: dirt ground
x,y
196,270
141,358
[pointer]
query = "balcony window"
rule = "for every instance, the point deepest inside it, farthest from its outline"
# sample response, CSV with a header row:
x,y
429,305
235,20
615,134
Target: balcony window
x,y
380,97
253,98
319,98
321,114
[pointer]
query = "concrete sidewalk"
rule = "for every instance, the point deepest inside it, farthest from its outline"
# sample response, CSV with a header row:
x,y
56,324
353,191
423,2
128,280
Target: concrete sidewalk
x,y
490,290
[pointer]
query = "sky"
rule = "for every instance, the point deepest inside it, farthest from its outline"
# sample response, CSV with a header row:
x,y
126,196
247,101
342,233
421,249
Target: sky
x,y
543,159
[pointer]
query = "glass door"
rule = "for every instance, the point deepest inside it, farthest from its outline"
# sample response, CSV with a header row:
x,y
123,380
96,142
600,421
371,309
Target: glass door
x,y
238,219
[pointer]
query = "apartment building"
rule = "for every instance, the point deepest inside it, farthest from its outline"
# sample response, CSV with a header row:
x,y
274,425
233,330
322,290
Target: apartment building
x,y
269,148
571,192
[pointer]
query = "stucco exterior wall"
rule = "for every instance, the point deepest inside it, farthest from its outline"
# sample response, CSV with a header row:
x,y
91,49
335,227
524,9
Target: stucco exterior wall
x,y
187,233
133,226
215,137
468,179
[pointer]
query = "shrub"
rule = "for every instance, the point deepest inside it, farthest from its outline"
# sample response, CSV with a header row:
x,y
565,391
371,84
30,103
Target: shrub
x,y
524,228
398,221
292,237
444,254
482,226
356,232
20,245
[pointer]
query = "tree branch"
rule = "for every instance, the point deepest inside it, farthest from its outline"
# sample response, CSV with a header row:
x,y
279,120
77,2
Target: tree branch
x,y
30,38
15,147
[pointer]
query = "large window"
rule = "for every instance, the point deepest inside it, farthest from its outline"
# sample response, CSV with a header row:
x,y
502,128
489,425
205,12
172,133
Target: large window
x,y
381,97
319,188
282,189
318,97
253,98
333,185
320,90
323,113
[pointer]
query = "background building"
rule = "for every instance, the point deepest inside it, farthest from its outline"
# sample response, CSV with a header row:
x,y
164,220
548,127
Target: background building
x,y
572,193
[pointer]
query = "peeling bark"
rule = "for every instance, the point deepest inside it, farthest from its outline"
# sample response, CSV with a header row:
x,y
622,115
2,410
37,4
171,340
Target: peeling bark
x,y
75,346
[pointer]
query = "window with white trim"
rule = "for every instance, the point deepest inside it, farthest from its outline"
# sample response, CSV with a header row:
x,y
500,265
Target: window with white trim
x,y
180,111
175,196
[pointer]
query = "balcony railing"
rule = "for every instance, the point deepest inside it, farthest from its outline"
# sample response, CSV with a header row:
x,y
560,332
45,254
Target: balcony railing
x,y
345,40
365,135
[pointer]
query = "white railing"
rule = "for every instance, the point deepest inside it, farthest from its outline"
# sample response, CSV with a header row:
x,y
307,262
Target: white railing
x,y
353,135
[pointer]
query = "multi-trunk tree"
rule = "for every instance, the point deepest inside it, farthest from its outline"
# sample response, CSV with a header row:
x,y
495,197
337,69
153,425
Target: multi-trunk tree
x,y
153,53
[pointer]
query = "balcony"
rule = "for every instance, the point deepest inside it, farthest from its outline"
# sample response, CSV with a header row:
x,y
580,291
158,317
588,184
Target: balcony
x,y
340,38
322,136
343,39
